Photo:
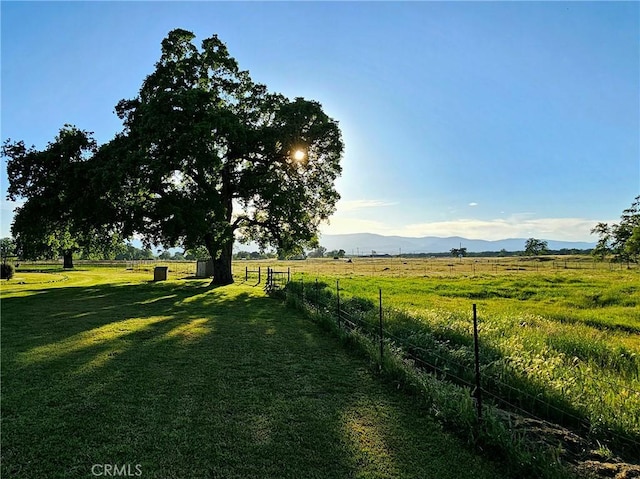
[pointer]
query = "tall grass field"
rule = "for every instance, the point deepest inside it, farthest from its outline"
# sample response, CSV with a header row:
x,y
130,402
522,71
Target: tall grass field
x,y
560,338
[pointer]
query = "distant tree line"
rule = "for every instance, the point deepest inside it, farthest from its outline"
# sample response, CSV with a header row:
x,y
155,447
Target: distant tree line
x,y
503,253
321,252
129,252
119,252
619,241
254,255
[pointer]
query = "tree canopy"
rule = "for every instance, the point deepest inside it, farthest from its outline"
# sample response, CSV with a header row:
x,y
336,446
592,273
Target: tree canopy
x,y
59,214
621,240
535,247
206,155
458,252
7,248
217,155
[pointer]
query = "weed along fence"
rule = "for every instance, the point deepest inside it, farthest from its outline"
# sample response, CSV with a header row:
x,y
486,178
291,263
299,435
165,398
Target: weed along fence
x,y
456,352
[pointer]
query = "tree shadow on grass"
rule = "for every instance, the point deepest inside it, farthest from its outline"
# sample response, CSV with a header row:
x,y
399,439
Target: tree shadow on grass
x,y
189,381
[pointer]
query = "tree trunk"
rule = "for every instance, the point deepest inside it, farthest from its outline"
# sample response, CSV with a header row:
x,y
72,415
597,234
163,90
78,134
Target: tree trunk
x,y
222,273
221,253
68,259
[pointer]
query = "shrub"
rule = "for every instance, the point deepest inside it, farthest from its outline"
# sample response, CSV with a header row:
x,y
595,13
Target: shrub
x,y
6,271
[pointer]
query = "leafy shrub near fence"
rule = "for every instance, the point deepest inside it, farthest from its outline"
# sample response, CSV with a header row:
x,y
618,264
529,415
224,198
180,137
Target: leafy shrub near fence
x,y
6,271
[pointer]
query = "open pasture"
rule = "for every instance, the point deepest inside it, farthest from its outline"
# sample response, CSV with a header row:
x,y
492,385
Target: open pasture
x,y
566,332
565,290
567,328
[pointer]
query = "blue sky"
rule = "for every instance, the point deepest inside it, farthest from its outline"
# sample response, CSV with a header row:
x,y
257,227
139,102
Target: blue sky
x,y
486,120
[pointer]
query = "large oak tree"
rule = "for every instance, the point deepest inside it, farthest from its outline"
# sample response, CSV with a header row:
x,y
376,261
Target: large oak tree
x,y
207,155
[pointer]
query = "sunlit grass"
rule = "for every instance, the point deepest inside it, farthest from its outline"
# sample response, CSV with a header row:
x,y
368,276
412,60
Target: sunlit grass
x,y
192,381
104,335
570,337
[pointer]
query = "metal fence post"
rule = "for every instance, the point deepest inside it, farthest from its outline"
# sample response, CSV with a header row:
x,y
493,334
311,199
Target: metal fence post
x,y
259,275
338,299
478,390
381,337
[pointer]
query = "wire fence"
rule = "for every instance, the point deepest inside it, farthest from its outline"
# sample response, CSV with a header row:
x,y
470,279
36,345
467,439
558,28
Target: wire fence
x,y
416,267
139,265
277,280
473,365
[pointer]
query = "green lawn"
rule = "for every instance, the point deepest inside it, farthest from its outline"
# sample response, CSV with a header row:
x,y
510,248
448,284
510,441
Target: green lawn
x,y
186,381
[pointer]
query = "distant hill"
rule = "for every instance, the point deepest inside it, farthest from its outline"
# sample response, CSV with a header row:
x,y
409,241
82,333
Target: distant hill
x,y
364,243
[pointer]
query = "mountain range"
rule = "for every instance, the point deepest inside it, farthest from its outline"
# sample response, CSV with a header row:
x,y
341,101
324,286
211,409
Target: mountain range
x,y
365,243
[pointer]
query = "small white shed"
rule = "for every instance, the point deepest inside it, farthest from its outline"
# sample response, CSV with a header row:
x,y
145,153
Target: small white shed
x,y
204,268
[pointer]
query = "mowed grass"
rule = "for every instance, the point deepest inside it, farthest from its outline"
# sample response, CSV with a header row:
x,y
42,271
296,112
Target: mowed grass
x,y
568,335
187,381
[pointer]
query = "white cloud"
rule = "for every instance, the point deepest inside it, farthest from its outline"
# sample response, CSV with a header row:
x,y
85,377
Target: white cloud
x,y
522,225
473,203
517,226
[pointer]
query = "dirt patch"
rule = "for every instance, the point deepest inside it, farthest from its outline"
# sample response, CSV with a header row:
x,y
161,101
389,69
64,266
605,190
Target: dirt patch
x,y
612,470
583,457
